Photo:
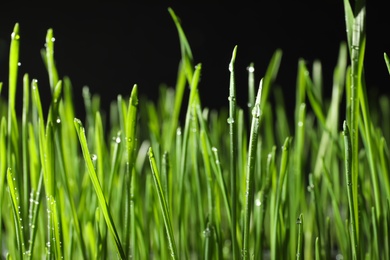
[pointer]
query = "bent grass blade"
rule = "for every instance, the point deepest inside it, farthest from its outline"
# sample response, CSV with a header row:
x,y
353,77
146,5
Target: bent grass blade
x,y
99,192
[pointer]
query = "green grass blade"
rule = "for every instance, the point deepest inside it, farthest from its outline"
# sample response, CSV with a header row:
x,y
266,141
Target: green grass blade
x,y
35,199
179,93
222,184
185,141
386,57
356,46
13,66
131,140
99,192
57,238
62,145
251,86
350,183
253,140
163,205
25,113
131,126
233,150
12,83
14,195
375,249
300,237
270,76
277,198
49,58
186,53
370,147
317,249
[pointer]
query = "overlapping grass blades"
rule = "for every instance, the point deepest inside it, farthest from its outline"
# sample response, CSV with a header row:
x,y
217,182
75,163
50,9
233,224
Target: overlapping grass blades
x,y
243,181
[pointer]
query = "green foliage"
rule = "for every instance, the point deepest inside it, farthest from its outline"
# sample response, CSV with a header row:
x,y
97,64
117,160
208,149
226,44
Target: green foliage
x,y
222,184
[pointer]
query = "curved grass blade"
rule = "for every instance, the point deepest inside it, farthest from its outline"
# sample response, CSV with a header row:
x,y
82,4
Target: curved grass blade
x,y
14,196
65,164
270,76
163,204
186,53
99,192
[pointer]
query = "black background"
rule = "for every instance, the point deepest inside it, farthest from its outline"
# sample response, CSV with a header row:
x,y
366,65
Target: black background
x,y
111,47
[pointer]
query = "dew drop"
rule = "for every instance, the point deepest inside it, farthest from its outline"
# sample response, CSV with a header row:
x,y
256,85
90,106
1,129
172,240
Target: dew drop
x,y
116,139
207,232
15,36
230,120
230,67
94,157
250,69
256,111
257,203
232,98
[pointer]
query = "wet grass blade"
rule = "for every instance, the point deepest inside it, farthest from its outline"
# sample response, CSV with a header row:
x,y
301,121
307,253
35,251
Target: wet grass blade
x,y
163,205
277,198
131,141
350,183
15,203
49,59
300,237
356,36
12,130
99,192
253,141
233,151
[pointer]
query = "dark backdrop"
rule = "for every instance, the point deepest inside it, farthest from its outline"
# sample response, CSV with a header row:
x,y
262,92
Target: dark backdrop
x,y
111,47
